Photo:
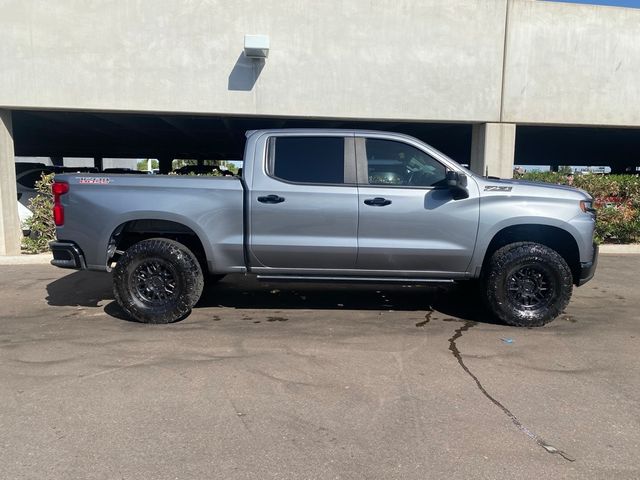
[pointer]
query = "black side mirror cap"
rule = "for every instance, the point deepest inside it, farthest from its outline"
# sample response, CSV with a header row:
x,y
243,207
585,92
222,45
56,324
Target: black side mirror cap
x,y
457,183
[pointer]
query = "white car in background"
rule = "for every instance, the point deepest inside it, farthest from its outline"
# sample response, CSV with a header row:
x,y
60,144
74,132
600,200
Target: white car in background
x,y
26,187
26,183
25,214
26,177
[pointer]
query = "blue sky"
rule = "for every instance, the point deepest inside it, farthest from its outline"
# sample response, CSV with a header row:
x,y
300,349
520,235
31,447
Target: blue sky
x,y
617,3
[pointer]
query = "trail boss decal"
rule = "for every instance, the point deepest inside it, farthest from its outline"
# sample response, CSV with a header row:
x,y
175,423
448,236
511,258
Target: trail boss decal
x,y
497,188
94,180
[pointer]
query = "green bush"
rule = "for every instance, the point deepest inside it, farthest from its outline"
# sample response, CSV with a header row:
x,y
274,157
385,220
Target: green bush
x,y
618,224
43,230
617,201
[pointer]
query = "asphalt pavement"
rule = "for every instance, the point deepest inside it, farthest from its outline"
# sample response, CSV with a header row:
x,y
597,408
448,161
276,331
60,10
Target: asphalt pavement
x,y
275,381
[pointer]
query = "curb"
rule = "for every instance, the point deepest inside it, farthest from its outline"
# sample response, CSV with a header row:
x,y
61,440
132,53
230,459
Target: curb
x,y
26,259
612,249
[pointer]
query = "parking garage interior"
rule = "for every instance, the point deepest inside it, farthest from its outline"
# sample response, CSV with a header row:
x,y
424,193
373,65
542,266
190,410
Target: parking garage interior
x,y
63,134
167,137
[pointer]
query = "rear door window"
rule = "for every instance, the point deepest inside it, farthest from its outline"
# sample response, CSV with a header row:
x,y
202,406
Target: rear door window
x,y
317,160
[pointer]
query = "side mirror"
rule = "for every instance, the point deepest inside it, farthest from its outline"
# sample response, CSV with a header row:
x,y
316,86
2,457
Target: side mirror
x,y
457,183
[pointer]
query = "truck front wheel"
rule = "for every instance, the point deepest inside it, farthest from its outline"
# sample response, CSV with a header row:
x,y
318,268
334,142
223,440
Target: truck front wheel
x,y
527,284
157,281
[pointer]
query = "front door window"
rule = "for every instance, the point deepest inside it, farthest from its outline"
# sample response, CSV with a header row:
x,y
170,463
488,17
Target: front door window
x,y
393,163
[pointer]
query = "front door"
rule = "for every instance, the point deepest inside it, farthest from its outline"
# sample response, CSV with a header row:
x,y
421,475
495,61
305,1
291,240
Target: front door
x,y
304,207
408,220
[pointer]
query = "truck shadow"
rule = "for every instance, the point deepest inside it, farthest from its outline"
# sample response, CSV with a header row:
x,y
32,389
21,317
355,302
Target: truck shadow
x,y
80,289
90,289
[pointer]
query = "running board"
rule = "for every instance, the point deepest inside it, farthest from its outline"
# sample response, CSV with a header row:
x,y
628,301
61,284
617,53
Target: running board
x,y
306,278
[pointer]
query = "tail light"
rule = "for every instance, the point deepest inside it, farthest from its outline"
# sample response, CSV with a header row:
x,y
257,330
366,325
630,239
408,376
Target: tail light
x,y
58,189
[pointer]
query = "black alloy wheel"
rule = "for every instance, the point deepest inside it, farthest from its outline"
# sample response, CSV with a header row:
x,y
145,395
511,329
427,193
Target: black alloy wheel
x,y
155,281
530,286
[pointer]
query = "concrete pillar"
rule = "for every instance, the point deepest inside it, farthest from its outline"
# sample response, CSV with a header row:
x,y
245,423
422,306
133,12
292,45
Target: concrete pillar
x,y
10,232
493,148
164,164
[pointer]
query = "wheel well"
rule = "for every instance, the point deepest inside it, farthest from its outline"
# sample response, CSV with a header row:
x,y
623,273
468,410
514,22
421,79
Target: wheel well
x,y
553,237
135,231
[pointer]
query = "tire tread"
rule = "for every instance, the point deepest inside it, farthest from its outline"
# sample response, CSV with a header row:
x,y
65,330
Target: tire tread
x,y
521,251
185,262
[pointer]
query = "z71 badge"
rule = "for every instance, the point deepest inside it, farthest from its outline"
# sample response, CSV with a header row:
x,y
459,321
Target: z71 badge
x,y
94,180
497,188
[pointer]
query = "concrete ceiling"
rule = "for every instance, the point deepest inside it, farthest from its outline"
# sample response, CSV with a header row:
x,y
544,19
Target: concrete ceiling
x,y
97,134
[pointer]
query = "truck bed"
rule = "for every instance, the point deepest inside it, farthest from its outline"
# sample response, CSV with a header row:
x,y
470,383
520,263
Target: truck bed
x,y
97,205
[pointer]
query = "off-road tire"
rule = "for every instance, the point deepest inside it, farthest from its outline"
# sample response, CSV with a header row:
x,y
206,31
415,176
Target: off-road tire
x,y
157,281
527,284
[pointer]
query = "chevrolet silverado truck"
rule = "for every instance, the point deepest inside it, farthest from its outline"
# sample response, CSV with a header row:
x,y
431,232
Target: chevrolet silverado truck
x,y
328,205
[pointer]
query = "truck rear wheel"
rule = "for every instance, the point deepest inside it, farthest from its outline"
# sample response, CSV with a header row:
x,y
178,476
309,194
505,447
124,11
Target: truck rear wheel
x,y
527,284
157,281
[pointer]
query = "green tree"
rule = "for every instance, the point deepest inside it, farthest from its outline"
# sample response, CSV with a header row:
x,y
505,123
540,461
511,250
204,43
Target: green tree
x,y
144,164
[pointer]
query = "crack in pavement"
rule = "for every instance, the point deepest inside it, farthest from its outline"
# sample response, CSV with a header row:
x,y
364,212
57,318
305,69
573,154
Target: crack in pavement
x,y
427,318
453,347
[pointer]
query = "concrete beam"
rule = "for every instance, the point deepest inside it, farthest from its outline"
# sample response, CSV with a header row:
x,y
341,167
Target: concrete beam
x,y
10,232
493,149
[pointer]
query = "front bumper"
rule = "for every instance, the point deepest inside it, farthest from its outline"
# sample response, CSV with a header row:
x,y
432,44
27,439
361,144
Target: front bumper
x,y
67,255
588,269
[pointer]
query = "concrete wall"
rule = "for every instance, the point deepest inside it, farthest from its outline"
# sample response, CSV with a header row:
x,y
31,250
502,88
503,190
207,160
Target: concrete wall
x,y
410,59
429,60
572,64
373,59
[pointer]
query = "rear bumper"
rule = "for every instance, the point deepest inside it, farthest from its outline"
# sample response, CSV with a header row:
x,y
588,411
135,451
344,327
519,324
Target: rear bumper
x,y
588,269
67,255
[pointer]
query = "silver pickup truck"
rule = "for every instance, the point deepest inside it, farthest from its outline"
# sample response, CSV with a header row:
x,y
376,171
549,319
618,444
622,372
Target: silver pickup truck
x,y
318,205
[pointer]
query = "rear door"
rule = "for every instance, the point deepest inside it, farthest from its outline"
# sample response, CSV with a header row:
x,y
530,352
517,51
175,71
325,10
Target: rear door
x,y
409,221
304,204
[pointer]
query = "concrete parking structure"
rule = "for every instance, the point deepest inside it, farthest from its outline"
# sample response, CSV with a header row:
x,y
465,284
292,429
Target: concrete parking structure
x,y
488,82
